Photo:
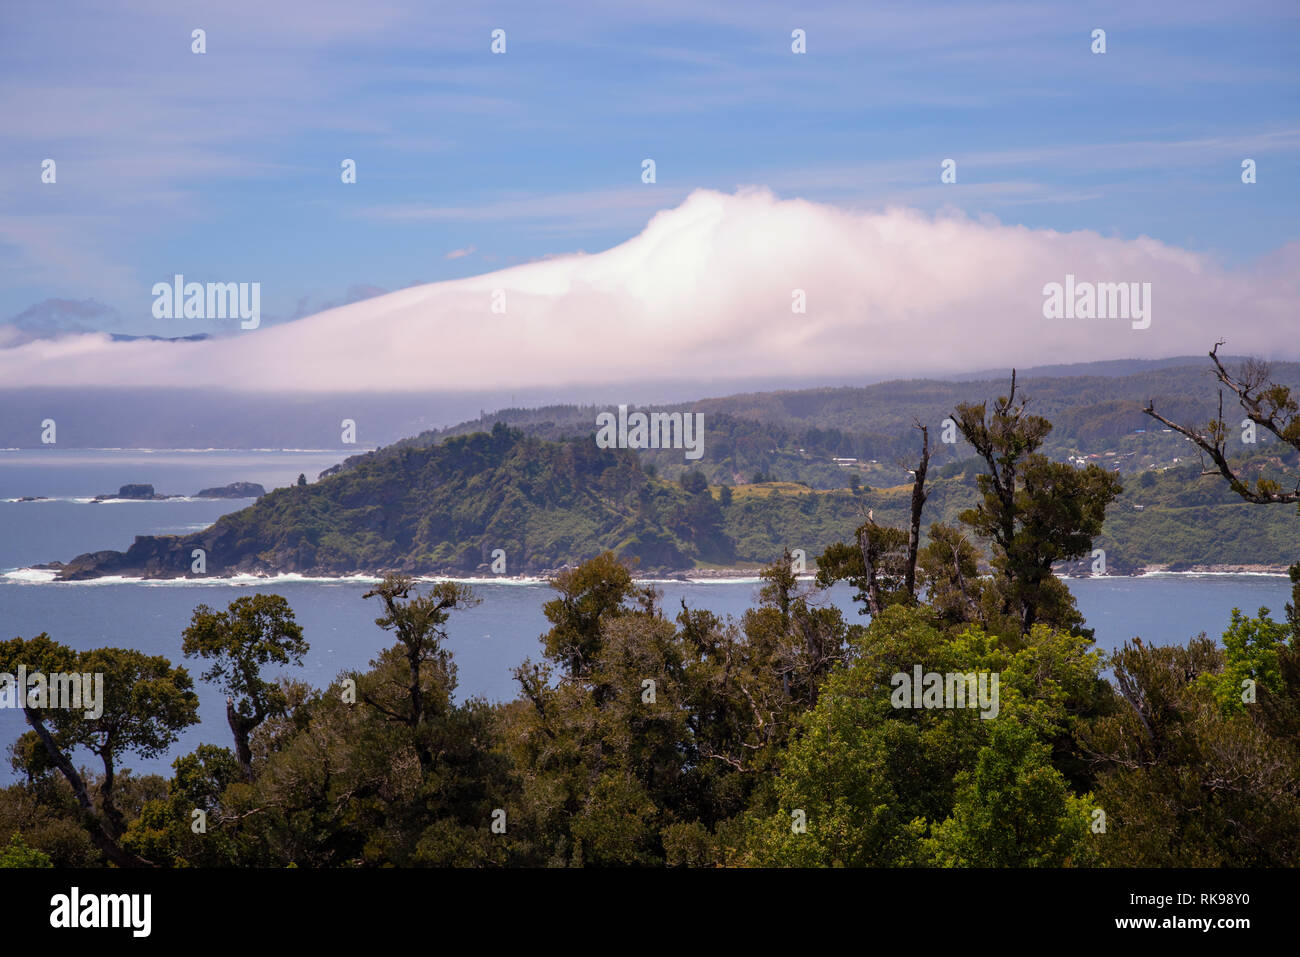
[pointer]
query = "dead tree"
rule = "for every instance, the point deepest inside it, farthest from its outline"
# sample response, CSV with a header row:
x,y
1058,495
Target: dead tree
x,y
1267,404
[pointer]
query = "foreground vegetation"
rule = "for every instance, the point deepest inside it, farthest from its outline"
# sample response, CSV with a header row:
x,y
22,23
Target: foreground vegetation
x,y
768,741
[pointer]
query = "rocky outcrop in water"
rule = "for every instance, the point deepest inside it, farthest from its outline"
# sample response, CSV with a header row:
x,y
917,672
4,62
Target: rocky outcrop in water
x,y
135,492
233,490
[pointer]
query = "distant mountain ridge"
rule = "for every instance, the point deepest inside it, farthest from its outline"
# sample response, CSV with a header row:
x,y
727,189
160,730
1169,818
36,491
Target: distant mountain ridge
x,y
1101,367
799,435
186,419
122,337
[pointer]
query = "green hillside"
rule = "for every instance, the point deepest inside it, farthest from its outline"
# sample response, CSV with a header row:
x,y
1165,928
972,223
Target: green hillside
x,y
447,509
794,436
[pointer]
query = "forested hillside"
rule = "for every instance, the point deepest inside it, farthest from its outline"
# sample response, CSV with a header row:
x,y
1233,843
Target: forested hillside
x,y
448,509
794,436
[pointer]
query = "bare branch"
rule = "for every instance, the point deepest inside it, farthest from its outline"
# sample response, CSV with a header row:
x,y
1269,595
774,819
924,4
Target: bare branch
x,y
1214,443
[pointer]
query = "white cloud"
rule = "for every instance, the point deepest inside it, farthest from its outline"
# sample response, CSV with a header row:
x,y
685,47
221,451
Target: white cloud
x,y
705,290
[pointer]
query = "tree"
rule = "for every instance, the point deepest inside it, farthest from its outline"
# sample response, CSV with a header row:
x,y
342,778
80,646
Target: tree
x,y
1252,651
164,831
1033,511
875,565
694,482
699,519
1268,405
418,623
146,704
17,854
1013,809
345,778
589,596
251,633
789,635
1184,783
949,573
883,564
860,771
919,495
597,758
302,479
883,785
652,737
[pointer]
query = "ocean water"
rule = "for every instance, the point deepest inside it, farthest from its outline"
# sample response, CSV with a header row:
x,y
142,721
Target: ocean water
x,y
488,641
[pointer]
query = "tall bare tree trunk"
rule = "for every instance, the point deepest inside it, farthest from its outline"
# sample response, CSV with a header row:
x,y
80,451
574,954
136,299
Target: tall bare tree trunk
x,y
103,836
919,496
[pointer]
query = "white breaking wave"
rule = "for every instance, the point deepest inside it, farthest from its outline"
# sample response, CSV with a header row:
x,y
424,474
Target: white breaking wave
x,y
91,500
30,576
41,576
1168,574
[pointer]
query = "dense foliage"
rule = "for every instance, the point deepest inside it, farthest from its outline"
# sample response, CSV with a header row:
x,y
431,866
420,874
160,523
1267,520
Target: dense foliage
x,y
793,436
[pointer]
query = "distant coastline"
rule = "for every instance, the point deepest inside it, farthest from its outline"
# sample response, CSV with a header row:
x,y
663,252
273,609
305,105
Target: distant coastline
x,y
142,492
49,574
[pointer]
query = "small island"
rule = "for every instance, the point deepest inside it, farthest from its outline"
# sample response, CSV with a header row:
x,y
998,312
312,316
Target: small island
x,y
233,490
141,492
135,492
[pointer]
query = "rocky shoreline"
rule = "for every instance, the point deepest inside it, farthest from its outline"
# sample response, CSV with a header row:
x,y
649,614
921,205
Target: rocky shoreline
x,y
1166,569
1215,570
155,558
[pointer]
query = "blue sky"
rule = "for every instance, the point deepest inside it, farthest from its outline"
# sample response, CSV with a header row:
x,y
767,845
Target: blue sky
x,y
225,166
